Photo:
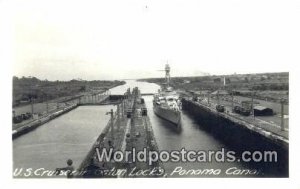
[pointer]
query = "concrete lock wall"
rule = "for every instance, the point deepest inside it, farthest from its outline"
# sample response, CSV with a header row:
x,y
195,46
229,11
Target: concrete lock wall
x,y
235,135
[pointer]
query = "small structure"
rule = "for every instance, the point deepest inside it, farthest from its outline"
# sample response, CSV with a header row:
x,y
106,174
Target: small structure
x,y
262,111
220,92
129,112
220,108
144,111
241,110
248,104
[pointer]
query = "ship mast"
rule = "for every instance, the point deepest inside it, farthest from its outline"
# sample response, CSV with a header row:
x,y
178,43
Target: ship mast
x,y
167,70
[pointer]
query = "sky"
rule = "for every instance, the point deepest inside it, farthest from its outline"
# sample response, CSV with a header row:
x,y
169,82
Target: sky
x,y
123,39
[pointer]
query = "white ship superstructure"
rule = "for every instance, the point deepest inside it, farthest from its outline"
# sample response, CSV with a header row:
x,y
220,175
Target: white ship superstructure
x,y
166,103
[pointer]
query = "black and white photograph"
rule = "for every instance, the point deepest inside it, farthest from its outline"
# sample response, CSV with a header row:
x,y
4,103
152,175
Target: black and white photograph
x,y
150,89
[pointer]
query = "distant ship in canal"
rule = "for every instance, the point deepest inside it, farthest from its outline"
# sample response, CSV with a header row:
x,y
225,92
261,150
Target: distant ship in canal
x,y
166,103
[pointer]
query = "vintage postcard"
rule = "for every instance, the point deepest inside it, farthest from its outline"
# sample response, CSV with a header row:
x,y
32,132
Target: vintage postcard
x,y
151,89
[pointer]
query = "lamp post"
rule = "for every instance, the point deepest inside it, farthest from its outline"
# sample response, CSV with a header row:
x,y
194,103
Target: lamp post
x,y
31,103
47,104
118,116
111,112
252,104
218,98
282,114
208,96
123,108
232,101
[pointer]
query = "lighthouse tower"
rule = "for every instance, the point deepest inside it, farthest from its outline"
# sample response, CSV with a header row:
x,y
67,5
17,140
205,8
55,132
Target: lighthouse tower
x,y
167,70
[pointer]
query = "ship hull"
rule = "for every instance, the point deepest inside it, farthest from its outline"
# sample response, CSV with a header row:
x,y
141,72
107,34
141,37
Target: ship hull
x,y
169,115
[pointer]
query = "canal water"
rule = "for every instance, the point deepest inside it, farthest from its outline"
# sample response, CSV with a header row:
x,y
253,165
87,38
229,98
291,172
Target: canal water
x,y
68,136
72,134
